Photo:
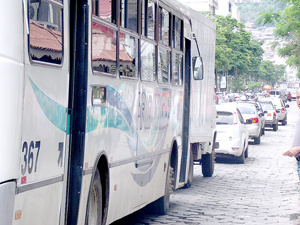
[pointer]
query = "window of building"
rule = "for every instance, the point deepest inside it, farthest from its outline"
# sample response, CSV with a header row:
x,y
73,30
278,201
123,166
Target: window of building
x,y
128,55
46,31
104,57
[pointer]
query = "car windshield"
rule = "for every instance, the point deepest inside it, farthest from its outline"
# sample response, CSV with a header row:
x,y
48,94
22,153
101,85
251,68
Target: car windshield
x,y
224,118
245,109
266,106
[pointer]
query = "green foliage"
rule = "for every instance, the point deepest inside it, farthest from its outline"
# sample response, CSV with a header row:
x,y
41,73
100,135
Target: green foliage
x,y
236,84
287,30
250,11
272,73
254,85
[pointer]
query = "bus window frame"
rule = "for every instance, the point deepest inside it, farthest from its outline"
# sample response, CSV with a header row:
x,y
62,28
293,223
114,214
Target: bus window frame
x,y
44,63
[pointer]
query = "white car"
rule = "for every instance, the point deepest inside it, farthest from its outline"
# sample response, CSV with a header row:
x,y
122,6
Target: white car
x,y
280,110
269,113
232,133
255,129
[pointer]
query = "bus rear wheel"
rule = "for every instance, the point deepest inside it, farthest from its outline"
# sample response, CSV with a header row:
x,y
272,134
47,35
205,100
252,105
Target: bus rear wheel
x,y
94,214
208,164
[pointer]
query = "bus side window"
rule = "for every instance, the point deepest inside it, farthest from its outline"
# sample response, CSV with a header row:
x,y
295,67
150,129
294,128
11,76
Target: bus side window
x,y
129,14
148,61
148,19
104,57
177,33
105,9
46,31
163,65
128,55
177,69
164,26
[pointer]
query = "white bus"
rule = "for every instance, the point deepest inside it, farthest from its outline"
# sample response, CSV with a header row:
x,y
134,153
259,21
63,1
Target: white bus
x,y
105,104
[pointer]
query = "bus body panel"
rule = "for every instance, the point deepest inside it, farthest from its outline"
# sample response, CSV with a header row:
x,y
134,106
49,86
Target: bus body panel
x,y
11,88
43,145
202,111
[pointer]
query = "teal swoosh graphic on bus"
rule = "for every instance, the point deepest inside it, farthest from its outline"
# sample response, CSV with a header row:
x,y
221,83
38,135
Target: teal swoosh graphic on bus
x,y
106,117
55,112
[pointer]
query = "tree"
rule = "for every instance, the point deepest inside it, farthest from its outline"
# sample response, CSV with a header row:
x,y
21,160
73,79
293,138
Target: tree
x,y
287,30
236,53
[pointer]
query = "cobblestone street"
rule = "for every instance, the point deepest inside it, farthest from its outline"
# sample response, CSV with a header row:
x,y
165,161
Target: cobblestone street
x,y
264,190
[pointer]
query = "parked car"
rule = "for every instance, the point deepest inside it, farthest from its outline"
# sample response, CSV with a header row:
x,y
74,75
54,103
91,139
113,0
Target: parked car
x,y
269,113
249,111
261,96
260,113
279,94
280,110
232,133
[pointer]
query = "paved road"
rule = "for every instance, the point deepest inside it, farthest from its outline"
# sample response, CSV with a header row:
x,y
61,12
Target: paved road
x,y
264,190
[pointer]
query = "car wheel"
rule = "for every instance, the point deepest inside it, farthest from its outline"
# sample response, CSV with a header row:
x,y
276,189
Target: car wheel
x,y
257,140
275,127
284,122
241,159
263,131
246,153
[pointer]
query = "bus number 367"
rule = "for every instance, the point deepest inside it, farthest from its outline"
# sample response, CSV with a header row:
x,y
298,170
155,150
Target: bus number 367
x,y
29,156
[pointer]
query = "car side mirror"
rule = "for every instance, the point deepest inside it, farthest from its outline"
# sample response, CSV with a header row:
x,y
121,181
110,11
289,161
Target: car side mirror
x,y
265,111
261,114
248,121
287,106
278,111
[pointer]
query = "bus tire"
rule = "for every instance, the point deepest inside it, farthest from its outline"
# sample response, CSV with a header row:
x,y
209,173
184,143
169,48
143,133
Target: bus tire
x,y
191,172
161,205
208,164
94,213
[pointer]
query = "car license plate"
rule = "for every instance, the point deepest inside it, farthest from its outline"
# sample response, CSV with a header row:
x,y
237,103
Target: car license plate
x,y
269,114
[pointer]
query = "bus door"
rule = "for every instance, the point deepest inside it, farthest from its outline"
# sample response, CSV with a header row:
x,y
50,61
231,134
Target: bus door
x,y
40,187
186,110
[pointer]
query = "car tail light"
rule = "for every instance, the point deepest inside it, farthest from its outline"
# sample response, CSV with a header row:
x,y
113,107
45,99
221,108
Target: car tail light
x,y
282,110
235,121
254,120
274,115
